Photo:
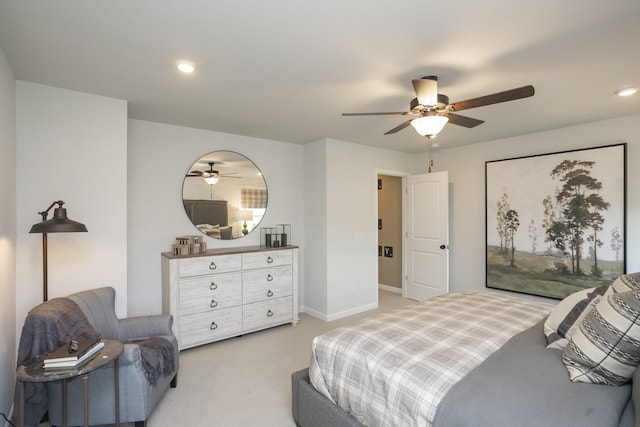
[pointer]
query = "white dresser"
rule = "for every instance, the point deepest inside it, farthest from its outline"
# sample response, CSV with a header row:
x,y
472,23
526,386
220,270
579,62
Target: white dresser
x,y
229,292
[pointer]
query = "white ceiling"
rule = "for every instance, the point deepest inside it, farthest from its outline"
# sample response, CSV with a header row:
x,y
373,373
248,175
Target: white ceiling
x,y
286,69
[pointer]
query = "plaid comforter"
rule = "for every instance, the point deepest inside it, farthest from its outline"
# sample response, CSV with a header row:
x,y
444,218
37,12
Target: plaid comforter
x,y
393,369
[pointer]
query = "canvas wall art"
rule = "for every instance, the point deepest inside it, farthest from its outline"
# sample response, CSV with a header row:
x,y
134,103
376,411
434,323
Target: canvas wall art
x,y
555,223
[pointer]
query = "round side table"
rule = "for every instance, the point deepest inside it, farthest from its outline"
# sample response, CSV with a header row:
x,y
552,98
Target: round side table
x,y
33,371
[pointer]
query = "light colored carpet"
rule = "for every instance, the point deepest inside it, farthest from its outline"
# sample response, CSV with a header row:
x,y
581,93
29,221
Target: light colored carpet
x,y
245,381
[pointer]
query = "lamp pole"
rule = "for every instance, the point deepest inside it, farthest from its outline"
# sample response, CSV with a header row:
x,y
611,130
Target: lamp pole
x,y
45,263
45,275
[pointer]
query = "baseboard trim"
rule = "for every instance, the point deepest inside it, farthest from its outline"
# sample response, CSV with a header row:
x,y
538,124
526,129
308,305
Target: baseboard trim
x,y
339,315
313,313
390,289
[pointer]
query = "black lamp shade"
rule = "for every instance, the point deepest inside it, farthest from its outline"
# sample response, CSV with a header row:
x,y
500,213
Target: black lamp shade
x,y
58,224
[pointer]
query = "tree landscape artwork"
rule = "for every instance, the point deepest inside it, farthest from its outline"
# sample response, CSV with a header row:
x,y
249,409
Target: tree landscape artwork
x,y
555,222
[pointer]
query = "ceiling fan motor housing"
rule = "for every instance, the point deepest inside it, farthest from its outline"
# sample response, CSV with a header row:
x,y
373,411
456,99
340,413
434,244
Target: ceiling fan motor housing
x,y
415,106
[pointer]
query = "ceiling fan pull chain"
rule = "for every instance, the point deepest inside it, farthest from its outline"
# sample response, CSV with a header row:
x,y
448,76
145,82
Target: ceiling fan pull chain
x,y
430,164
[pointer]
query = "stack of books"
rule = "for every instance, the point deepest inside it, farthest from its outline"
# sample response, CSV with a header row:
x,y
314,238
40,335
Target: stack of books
x,y
72,356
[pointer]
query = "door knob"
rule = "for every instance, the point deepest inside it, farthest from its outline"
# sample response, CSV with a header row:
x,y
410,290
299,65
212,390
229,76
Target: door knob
x,y
443,247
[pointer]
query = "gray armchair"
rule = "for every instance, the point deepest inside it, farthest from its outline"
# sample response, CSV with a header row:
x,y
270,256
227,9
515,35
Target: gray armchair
x,y
138,397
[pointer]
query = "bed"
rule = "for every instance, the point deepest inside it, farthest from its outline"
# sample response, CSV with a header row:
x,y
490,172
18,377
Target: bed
x,y
461,359
212,212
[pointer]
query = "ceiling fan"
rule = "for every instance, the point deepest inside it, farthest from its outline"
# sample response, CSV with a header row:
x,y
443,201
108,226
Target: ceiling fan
x,y
211,175
433,111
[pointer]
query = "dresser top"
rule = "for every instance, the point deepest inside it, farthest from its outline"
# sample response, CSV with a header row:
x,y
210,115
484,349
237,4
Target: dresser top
x,y
227,251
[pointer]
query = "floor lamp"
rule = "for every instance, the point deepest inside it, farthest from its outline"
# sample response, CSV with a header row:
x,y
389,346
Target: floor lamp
x,y
58,224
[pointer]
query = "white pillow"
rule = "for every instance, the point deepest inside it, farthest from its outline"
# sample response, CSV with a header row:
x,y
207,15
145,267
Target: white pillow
x,y
568,314
207,227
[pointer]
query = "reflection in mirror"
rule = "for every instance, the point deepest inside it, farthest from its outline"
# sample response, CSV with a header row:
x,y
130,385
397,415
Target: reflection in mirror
x,y
224,195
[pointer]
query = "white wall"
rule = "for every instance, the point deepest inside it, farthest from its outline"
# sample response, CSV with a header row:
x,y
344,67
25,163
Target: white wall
x,y
351,229
466,176
7,234
159,157
314,292
71,147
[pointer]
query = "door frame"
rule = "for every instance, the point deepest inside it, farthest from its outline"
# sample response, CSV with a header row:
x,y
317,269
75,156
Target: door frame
x,y
403,175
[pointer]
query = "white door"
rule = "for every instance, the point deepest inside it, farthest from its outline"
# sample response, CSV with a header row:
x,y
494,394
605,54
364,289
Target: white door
x,y
427,234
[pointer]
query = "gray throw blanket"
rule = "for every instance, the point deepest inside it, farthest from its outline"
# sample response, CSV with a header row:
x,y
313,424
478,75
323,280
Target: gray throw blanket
x,y
47,326
157,357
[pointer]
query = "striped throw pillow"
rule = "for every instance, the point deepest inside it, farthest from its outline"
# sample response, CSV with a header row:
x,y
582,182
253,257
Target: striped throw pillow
x,y
606,347
565,318
626,283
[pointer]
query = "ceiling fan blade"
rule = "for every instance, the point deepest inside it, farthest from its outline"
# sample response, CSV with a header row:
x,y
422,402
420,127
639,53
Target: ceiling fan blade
x,y
465,121
399,128
395,113
426,90
496,98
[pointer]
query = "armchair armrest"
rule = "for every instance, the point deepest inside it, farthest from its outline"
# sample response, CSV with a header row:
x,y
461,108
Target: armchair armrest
x,y
146,326
131,356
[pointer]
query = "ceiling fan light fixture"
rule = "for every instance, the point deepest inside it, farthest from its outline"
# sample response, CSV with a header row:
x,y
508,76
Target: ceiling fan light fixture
x,y
211,180
429,125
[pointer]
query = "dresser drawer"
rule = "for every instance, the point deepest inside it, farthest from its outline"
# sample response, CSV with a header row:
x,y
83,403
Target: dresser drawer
x,y
203,328
267,313
198,266
265,284
206,293
267,259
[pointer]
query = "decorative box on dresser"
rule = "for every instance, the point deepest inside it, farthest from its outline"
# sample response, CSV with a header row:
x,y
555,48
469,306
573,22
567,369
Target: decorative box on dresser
x,y
227,292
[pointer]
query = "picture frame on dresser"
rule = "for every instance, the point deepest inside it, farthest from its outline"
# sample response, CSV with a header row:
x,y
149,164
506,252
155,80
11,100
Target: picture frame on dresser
x,y
228,292
555,222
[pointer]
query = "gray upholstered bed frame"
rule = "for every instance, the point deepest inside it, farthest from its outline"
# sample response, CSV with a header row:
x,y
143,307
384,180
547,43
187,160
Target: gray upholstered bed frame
x,y
311,409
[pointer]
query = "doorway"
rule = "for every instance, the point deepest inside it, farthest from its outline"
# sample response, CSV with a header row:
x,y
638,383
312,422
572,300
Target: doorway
x,y
390,241
413,234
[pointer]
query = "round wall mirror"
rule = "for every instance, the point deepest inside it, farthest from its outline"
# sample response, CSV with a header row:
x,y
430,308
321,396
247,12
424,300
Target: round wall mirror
x,y
224,195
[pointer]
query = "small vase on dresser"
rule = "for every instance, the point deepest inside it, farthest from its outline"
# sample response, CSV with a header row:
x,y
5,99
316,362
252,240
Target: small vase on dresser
x,y
228,292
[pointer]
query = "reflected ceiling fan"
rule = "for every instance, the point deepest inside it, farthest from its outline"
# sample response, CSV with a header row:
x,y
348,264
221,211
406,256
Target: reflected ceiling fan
x,y
211,175
433,111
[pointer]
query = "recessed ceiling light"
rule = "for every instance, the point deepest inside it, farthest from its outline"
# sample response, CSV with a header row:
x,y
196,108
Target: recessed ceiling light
x,y
627,91
186,66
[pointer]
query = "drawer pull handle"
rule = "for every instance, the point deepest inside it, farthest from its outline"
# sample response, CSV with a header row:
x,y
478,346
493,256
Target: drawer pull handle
x,y
214,303
269,293
269,313
212,266
269,260
269,277
213,326
213,286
